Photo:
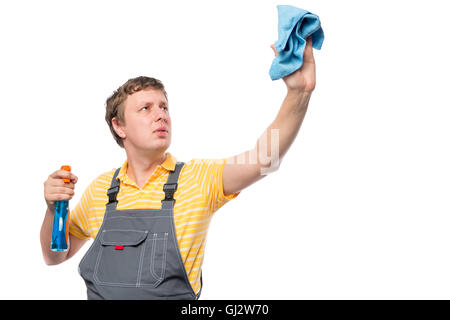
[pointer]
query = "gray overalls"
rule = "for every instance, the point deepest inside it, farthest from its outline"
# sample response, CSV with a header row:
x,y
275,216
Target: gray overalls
x,y
135,254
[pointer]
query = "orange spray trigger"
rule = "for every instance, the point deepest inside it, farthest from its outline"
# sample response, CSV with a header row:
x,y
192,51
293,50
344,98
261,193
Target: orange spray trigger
x,y
66,168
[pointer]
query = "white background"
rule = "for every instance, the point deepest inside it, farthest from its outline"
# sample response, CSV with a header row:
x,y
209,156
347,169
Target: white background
x,y
360,206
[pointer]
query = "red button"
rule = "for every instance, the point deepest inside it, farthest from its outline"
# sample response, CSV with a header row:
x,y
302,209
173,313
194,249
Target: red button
x,y
118,247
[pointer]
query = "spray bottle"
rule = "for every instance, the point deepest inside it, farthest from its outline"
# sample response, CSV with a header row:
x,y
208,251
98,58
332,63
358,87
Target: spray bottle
x,y
60,231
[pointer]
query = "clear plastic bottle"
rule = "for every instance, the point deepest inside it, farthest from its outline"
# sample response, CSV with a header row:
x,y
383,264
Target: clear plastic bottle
x,y
59,241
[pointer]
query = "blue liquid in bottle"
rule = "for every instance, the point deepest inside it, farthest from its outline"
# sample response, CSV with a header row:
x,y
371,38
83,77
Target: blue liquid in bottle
x,y
59,241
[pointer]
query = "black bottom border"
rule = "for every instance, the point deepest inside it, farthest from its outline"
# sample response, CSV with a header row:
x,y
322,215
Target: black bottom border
x,y
239,309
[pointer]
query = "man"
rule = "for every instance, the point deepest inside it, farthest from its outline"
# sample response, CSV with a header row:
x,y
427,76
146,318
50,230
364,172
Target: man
x,y
150,217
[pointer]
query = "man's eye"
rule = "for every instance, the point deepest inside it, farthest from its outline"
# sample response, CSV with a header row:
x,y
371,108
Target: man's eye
x,y
145,108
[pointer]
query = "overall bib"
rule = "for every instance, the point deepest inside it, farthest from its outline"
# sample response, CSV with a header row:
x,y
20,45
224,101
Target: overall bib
x,y
135,254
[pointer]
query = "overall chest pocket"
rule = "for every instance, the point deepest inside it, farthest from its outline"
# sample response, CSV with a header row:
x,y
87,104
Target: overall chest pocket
x,y
131,258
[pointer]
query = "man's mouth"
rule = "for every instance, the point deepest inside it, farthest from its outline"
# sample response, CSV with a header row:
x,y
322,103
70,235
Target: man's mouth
x,y
161,129
161,132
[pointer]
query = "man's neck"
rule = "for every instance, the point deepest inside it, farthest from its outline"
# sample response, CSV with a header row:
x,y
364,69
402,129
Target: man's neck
x,y
140,168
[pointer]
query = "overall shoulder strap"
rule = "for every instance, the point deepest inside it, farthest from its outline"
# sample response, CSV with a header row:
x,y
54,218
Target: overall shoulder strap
x,y
171,186
114,188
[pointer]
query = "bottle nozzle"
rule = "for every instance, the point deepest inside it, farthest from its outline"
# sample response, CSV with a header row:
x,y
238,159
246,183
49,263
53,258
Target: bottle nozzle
x,y
66,168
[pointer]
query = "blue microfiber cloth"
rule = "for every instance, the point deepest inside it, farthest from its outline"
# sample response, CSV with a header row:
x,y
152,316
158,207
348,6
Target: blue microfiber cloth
x,y
295,25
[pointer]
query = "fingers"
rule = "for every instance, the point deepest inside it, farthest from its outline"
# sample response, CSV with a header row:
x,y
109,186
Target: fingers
x,y
308,55
63,174
55,189
52,197
64,190
60,183
53,193
274,50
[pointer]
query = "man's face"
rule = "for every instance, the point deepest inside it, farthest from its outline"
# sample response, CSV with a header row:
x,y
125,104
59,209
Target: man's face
x,y
146,111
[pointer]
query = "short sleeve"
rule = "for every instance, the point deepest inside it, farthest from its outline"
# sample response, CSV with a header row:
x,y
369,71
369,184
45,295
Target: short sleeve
x,y
209,174
78,217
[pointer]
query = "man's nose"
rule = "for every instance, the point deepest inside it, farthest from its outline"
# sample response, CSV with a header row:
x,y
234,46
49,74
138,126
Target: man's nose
x,y
162,116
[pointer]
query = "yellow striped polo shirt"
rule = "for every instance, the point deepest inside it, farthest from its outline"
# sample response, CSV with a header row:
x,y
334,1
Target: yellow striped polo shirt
x,y
199,195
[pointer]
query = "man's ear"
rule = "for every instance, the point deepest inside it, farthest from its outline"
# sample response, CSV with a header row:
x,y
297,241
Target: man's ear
x,y
118,127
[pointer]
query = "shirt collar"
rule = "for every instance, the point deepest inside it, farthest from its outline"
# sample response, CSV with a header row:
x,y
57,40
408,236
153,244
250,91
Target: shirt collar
x,y
168,164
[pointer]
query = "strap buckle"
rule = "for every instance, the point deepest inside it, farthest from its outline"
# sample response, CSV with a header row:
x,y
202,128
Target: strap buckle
x,y
112,193
169,189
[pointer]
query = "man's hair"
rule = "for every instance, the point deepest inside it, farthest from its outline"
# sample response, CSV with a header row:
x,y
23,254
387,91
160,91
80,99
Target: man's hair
x,y
115,104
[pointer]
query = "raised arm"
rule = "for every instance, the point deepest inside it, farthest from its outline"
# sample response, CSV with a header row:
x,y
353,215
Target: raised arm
x,y
244,169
